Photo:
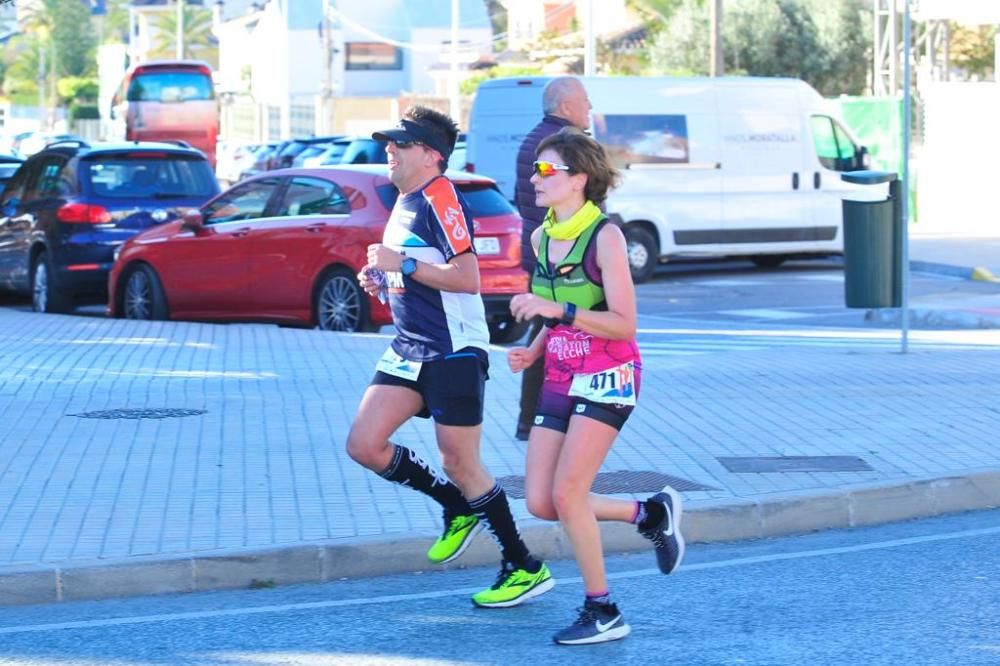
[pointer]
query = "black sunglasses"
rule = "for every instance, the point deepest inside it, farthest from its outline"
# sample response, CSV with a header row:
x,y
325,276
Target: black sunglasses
x,y
404,145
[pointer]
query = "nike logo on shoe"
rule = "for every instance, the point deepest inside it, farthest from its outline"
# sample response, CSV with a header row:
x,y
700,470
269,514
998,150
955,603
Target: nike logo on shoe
x,y
602,626
669,531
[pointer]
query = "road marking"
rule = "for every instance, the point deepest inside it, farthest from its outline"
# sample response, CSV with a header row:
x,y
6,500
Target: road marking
x,y
341,603
766,313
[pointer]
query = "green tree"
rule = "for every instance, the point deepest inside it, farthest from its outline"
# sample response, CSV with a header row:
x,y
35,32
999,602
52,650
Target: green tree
x,y
681,48
972,50
820,42
845,35
115,30
198,38
75,38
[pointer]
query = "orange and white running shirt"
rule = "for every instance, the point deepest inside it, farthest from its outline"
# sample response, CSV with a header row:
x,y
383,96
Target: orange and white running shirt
x,y
432,225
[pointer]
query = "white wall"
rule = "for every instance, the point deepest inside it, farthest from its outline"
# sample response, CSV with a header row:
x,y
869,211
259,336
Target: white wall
x,y
956,166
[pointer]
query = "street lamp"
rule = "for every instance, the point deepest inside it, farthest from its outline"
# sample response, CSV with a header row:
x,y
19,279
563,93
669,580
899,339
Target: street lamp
x,y
180,29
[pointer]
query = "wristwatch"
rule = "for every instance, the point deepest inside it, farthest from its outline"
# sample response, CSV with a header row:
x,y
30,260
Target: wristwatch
x,y
408,267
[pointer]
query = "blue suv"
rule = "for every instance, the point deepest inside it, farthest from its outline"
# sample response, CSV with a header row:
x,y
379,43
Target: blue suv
x,y
68,208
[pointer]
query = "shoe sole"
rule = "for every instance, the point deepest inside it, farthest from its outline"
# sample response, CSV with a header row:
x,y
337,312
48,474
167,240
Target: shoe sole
x,y
610,635
537,590
676,510
463,547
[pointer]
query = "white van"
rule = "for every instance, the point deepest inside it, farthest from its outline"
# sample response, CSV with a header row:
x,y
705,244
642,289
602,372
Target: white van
x,y
736,166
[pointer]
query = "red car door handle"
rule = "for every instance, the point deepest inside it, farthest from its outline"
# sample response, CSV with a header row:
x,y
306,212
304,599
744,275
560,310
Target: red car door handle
x,y
240,233
316,227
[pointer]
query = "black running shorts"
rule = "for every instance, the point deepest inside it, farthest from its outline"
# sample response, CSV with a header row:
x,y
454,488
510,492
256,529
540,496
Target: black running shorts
x,y
453,388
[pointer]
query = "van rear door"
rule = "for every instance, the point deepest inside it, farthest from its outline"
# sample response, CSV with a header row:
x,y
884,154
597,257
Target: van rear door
x,y
503,113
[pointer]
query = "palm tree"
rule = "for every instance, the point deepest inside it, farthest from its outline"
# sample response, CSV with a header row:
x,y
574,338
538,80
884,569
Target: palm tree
x,y
199,42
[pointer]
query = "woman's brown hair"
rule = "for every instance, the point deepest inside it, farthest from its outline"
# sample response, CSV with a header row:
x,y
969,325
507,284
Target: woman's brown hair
x,y
584,155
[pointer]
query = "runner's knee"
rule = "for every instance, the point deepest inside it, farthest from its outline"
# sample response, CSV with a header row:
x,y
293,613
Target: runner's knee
x,y
540,505
371,452
567,497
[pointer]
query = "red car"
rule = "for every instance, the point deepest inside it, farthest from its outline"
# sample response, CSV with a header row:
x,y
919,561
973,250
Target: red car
x,y
285,246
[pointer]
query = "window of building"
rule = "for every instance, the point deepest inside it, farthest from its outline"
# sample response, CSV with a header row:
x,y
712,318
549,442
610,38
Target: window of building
x,y
373,55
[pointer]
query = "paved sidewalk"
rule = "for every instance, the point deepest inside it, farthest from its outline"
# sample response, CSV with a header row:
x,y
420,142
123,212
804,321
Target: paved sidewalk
x,y
258,488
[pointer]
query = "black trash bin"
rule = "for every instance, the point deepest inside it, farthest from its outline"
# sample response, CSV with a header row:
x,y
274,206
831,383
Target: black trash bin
x,y
873,244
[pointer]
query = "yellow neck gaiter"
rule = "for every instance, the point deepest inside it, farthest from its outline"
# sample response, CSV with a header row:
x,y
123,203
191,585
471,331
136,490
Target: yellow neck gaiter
x,y
574,226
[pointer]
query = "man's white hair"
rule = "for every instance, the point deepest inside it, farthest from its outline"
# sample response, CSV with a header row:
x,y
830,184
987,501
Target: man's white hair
x,y
557,90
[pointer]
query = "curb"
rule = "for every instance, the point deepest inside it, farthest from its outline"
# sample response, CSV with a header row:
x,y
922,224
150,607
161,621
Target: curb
x,y
705,522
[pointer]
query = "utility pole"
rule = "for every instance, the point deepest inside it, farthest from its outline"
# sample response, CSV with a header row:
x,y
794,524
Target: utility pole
x,y
715,66
180,29
589,51
454,101
325,124
41,86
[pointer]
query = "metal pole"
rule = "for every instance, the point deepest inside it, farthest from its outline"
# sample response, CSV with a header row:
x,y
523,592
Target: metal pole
x,y
326,127
588,51
130,49
180,29
905,203
715,65
41,86
454,101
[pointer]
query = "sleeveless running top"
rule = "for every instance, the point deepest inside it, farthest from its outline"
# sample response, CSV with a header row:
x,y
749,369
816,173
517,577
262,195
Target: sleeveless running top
x,y
577,279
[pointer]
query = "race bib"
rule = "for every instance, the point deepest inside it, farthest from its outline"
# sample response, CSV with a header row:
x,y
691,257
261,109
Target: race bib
x,y
615,386
392,363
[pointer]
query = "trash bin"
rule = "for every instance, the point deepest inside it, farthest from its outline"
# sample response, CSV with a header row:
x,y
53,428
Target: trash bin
x,y
873,244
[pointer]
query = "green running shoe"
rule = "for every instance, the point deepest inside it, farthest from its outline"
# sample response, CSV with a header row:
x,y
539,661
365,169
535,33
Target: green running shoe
x,y
458,534
514,586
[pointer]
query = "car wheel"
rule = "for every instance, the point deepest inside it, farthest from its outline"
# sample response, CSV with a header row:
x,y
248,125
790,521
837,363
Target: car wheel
x,y
143,297
340,303
505,330
768,260
643,253
45,296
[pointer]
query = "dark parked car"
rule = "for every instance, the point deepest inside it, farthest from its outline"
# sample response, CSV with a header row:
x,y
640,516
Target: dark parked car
x,y
286,246
293,147
364,151
9,164
68,208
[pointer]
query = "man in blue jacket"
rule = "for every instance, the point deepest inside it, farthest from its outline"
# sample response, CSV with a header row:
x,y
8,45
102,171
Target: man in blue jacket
x,y
564,103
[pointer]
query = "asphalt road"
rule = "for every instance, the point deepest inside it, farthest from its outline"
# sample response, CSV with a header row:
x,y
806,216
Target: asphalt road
x,y
720,293
923,592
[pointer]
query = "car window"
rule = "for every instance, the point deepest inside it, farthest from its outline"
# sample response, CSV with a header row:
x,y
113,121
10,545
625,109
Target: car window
x,y
834,148
845,147
15,188
313,196
45,181
484,199
149,175
159,86
244,202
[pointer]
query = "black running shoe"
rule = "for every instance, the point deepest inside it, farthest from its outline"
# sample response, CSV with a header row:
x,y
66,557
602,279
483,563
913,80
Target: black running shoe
x,y
666,534
598,623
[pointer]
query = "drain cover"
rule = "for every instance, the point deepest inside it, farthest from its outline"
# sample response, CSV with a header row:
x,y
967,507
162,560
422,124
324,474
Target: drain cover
x,y
752,465
153,413
614,483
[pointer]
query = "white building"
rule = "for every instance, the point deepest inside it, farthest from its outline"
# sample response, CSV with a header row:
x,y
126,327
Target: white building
x,y
528,19
273,75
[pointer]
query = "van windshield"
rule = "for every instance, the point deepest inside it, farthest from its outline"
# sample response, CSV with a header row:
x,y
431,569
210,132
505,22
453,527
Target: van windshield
x,y
170,87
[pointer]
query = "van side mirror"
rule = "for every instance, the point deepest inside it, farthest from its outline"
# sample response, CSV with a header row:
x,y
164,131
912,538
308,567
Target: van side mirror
x,y
194,221
863,159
